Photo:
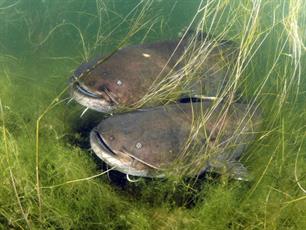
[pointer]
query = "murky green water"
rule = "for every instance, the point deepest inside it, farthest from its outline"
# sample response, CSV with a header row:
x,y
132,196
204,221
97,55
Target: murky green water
x,y
45,166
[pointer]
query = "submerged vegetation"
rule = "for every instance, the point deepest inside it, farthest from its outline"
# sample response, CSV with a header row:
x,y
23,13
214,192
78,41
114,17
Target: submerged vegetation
x,y
49,177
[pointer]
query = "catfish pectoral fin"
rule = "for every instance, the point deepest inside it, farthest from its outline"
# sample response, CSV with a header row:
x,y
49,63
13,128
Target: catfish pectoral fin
x,y
233,169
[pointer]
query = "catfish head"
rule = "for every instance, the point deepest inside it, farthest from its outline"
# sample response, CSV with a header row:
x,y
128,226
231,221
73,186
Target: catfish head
x,y
121,79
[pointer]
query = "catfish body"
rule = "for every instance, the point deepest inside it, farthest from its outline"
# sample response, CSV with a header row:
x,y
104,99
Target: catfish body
x,y
145,143
123,78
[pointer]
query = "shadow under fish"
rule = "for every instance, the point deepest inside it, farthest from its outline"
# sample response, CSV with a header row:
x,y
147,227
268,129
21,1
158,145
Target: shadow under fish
x,y
149,143
125,77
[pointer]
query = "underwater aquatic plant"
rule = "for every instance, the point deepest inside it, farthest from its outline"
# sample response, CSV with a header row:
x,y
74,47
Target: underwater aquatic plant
x,y
47,181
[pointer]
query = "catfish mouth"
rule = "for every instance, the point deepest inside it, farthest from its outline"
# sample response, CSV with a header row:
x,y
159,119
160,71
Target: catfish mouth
x,y
102,143
85,91
102,101
106,94
122,162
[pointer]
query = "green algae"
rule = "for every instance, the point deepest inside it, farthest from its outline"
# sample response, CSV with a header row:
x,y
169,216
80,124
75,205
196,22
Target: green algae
x,y
49,178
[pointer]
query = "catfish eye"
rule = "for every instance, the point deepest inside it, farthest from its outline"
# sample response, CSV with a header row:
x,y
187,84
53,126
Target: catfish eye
x,y
138,145
119,82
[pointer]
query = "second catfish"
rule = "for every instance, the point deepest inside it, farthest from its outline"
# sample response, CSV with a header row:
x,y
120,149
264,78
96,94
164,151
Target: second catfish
x,y
195,137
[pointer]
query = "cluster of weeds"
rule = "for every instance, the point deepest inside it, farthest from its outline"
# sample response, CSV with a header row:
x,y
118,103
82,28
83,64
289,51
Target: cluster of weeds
x,y
49,177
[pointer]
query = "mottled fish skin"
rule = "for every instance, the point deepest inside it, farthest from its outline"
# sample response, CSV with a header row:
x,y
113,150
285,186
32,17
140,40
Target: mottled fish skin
x,y
124,77
143,143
